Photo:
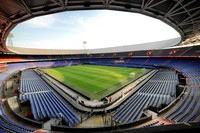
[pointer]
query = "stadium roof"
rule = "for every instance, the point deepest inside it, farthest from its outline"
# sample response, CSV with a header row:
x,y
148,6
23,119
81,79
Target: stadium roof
x,y
127,48
182,15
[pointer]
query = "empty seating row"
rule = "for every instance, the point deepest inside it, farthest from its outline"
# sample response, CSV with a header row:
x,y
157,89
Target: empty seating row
x,y
157,62
132,109
48,105
152,94
137,61
166,75
188,67
29,74
33,85
43,64
6,123
64,63
154,123
168,88
31,82
2,67
187,109
44,102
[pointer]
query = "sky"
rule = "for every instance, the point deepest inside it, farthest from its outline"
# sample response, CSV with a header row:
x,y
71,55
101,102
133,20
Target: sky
x,y
89,30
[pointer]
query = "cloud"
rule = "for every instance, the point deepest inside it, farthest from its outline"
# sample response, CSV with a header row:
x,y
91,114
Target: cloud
x,y
125,29
98,28
41,22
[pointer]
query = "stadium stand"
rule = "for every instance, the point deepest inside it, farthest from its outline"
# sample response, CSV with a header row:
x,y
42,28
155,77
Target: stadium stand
x,y
186,109
6,58
2,67
44,102
38,92
160,90
182,59
6,123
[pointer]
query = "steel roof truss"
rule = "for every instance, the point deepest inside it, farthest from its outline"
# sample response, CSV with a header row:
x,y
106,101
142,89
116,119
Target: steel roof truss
x,y
25,6
169,12
190,17
178,13
182,7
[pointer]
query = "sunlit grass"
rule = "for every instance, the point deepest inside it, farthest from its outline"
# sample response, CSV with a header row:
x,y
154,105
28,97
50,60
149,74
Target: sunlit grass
x,y
95,82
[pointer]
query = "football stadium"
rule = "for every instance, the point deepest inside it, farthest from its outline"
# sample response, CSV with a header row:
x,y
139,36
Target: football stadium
x,y
147,87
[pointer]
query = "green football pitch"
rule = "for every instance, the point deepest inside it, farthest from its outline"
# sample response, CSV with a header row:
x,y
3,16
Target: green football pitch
x,y
95,82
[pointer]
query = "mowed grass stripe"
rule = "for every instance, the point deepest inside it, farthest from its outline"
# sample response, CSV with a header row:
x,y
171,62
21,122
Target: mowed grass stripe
x,y
90,85
110,74
108,68
108,79
88,80
90,73
94,81
83,85
74,82
92,77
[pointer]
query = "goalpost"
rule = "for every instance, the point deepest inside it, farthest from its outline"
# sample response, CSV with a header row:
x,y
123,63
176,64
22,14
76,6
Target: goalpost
x,y
133,74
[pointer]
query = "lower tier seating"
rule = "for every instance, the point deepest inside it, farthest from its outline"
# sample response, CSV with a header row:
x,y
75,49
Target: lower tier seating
x,y
187,110
44,102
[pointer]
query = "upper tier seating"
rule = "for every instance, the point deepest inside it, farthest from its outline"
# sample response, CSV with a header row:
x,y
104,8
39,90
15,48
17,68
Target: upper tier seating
x,y
5,59
2,67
